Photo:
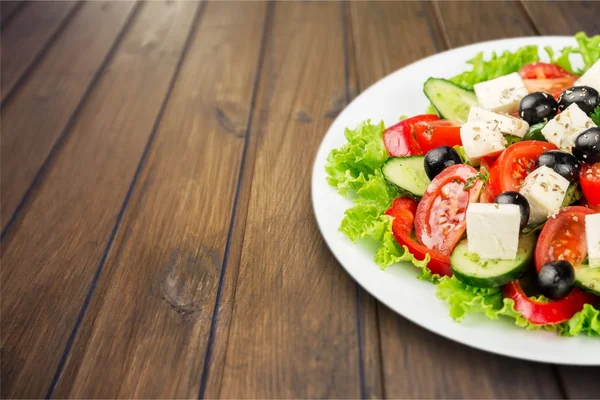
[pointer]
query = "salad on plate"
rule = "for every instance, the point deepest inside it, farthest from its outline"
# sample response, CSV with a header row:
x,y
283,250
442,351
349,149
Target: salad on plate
x,y
493,192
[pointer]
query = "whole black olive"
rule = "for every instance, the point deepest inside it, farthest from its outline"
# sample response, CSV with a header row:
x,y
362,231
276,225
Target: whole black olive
x,y
563,163
585,97
538,107
518,199
440,158
556,279
587,146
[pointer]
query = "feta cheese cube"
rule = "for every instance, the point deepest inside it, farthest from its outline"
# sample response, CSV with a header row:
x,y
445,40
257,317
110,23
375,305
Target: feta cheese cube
x,y
503,123
493,230
591,77
502,94
545,191
566,126
592,237
480,140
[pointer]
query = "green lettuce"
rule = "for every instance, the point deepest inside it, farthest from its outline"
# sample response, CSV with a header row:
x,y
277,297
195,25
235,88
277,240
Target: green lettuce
x,y
596,116
464,299
498,65
587,47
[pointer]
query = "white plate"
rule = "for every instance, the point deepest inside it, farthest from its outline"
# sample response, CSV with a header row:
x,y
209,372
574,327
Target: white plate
x,y
397,287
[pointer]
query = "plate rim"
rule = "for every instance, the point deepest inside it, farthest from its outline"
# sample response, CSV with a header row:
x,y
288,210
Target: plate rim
x,y
315,182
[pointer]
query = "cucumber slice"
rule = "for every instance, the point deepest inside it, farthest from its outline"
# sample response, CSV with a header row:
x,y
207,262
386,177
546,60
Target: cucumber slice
x,y
407,174
486,273
450,101
588,278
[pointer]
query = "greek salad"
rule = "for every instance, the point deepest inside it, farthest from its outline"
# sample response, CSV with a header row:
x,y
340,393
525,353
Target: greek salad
x,y
494,192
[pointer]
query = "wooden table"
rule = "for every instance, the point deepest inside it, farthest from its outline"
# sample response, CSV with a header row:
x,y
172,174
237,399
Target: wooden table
x,y
157,234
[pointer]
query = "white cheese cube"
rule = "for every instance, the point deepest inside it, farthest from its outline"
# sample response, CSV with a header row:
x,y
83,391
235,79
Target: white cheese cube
x,y
480,140
566,126
545,191
591,77
592,237
502,94
503,123
493,230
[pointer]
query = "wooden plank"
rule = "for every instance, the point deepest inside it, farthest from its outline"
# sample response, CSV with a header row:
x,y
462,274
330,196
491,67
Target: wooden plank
x,y
25,40
51,259
410,353
148,326
36,116
487,20
8,9
569,18
564,17
293,332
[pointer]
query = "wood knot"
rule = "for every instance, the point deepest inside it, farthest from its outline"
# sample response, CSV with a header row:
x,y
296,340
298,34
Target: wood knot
x,y
189,279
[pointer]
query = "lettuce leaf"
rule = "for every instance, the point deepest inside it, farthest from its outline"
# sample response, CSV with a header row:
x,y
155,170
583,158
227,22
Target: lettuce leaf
x,y
587,47
498,65
464,299
596,116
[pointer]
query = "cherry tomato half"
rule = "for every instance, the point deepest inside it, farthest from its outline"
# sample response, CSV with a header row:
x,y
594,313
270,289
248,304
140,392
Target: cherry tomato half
x,y
515,163
432,134
589,177
403,212
440,219
542,70
553,312
563,238
400,140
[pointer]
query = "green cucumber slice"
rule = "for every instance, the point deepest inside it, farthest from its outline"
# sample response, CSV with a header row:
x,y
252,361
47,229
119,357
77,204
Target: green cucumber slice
x,y
487,273
407,174
450,101
588,278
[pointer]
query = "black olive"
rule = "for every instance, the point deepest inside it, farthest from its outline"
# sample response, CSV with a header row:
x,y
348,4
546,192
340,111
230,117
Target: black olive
x,y
587,146
556,279
436,160
518,199
585,97
538,107
563,163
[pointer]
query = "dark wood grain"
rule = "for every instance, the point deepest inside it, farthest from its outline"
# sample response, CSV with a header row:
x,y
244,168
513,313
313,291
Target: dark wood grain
x,y
564,17
50,260
147,329
39,112
487,20
293,331
24,41
409,353
569,18
8,9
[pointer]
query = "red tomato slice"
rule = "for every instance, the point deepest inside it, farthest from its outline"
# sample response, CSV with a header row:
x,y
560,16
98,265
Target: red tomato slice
x,y
553,86
542,70
589,177
441,213
432,134
515,163
563,238
553,312
400,140
403,212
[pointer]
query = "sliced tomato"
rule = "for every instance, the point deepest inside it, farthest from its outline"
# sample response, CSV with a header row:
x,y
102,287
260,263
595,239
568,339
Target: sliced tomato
x,y
589,177
432,134
563,238
553,86
400,140
553,312
542,70
440,219
403,211
515,163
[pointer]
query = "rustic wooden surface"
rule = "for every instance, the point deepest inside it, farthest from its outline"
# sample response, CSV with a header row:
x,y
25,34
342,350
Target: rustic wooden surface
x,y
157,231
